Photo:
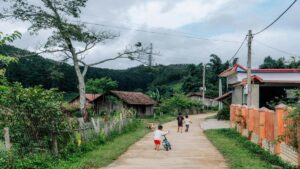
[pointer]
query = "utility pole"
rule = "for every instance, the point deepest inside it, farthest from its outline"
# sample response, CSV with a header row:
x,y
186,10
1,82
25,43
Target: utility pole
x,y
249,87
150,59
203,86
220,93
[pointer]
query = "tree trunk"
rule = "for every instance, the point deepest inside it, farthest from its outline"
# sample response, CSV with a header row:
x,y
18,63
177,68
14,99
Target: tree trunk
x,y
81,88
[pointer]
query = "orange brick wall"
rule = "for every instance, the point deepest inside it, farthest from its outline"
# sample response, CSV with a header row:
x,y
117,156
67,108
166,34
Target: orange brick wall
x,y
266,125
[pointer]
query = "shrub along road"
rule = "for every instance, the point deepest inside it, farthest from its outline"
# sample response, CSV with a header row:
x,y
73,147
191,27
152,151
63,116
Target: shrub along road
x,y
189,150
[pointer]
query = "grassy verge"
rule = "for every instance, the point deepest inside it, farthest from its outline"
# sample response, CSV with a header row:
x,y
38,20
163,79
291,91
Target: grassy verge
x,y
241,153
107,153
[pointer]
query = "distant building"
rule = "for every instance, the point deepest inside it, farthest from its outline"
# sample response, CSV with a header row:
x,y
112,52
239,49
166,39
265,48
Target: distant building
x,y
208,101
267,85
90,98
118,100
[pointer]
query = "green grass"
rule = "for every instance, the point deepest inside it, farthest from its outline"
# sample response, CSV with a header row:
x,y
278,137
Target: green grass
x,y
240,153
107,153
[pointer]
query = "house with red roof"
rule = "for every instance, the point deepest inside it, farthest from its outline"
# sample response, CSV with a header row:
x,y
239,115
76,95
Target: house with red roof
x,y
266,84
118,100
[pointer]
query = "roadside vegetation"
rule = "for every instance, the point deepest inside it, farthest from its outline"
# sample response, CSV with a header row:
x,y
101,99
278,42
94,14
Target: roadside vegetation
x,y
241,153
106,153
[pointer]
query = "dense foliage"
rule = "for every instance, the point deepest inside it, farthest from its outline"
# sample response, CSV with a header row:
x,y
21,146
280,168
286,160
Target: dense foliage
x,y
34,70
102,85
224,113
33,115
178,103
193,80
280,63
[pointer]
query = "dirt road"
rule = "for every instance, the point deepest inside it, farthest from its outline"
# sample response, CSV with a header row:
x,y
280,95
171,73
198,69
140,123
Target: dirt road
x,y
190,150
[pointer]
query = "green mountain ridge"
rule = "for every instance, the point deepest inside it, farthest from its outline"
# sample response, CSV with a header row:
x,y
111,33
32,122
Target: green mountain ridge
x,y
35,70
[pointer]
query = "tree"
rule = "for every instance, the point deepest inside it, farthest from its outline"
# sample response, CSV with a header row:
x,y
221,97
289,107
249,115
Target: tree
x,y
34,116
102,85
5,60
72,40
235,61
270,63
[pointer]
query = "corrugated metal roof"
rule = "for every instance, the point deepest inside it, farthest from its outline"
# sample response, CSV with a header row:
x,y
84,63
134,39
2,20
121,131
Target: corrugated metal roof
x,y
224,96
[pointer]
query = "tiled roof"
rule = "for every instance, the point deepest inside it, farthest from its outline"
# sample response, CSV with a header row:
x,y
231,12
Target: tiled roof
x,y
134,98
275,70
89,97
254,78
239,68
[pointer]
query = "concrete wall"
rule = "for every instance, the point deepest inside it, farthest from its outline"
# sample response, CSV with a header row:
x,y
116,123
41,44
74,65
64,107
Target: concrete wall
x,y
238,93
255,96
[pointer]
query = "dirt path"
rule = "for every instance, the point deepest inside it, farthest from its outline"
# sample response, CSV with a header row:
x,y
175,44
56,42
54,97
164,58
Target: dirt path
x,y
189,151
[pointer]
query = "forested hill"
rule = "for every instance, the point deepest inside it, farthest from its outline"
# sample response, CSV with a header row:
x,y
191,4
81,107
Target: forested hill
x,y
36,70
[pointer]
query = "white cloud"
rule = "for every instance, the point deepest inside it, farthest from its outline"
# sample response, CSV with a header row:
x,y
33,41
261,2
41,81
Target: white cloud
x,y
168,14
216,19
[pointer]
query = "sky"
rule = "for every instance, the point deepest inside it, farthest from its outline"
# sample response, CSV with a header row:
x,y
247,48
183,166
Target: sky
x,y
177,29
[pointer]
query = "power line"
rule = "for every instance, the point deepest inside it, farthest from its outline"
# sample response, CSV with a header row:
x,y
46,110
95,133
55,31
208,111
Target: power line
x,y
276,49
275,19
238,49
179,34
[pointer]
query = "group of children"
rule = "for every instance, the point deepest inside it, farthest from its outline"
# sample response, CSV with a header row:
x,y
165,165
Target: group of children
x,y
181,120
159,132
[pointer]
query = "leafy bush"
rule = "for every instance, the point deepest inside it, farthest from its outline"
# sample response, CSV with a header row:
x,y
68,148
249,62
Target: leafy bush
x,y
224,114
4,159
33,116
179,102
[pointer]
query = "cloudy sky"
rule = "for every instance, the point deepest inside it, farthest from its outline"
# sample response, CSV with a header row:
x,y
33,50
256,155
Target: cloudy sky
x,y
177,29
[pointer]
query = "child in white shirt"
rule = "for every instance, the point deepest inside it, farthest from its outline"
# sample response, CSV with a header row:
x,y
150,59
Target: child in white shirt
x,y
157,136
187,122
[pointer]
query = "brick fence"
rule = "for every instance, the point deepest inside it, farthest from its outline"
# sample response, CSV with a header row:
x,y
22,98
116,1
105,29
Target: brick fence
x,y
265,127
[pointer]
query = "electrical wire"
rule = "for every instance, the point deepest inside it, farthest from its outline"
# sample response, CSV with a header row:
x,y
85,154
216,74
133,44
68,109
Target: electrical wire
x,y
275,19
179,34
238,49
276,49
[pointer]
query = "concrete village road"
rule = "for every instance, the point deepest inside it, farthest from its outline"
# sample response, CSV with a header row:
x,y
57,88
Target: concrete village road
x,y
190,150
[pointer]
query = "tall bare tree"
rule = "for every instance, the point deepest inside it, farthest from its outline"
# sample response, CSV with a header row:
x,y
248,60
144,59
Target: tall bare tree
x,y
70,38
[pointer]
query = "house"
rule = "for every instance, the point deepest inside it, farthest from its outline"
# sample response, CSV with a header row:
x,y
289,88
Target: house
x,y
267,84
118,100
208,101
90,98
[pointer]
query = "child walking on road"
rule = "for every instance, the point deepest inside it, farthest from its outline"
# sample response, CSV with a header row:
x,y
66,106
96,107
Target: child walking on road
x,y
180,119
157,136
187,122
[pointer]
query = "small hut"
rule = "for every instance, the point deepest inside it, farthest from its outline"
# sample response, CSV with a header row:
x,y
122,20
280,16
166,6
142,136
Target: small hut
x,y
118,100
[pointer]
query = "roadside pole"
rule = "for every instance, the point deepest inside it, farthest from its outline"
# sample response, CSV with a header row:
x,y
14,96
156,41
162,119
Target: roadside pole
x,y
150,59
203,87
249,87
220,94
